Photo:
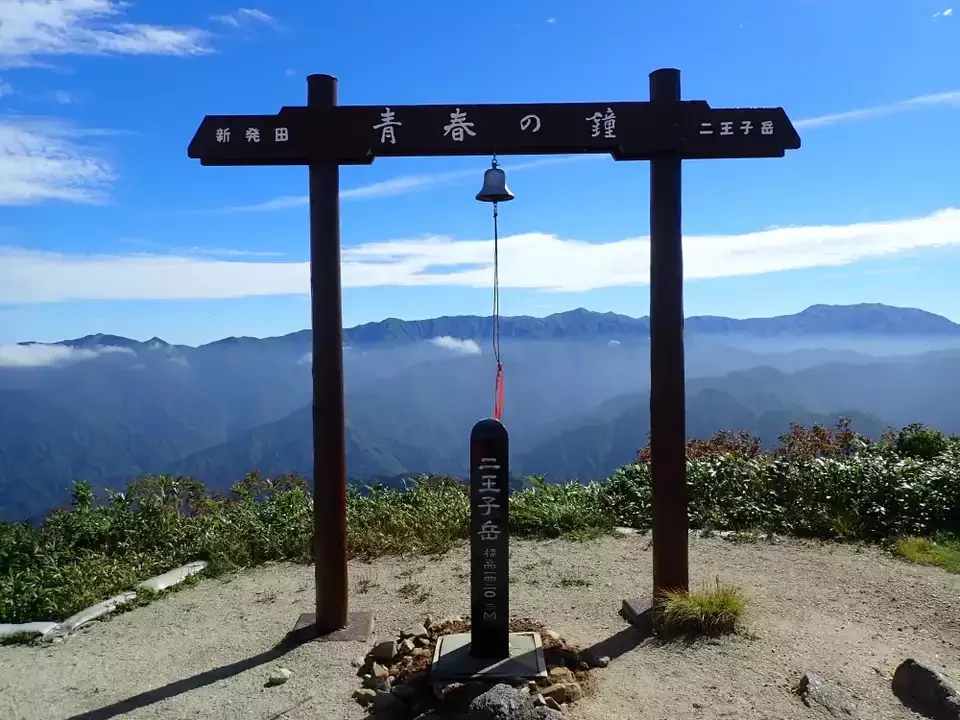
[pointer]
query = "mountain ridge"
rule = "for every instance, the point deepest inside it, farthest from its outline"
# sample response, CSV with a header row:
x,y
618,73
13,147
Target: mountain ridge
x,y
856,319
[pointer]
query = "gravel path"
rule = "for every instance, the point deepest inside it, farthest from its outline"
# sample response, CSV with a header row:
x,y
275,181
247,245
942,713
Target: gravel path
x,y
205,652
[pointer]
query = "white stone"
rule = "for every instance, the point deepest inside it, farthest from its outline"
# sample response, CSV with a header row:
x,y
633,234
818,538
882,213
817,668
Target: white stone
x,y
173,577
91,613
279,677
40,628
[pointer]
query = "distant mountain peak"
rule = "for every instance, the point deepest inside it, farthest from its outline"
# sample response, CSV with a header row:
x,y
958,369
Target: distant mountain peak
x,y
576,312
856,307
102,340
875,318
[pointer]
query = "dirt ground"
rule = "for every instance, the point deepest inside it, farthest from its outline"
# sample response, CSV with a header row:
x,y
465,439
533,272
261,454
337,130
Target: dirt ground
x,y
205,652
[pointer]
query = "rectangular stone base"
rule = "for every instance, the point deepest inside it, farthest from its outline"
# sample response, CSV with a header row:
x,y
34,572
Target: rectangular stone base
x,y
452,661
359,628
639,613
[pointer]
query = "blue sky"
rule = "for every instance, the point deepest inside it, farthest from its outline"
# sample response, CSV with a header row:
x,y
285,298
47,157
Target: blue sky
x,y
106,226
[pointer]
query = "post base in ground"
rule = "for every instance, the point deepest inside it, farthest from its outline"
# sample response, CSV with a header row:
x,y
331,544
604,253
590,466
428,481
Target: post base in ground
x,y
639,613
452,661
359,628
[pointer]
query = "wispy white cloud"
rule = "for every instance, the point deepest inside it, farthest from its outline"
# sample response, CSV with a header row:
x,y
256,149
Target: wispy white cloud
x,y
229,252
394,186
244,16
551,21
43,159
33,29
463,347
280,203
532,260
41,355
65,97
943,13
198,250
951,97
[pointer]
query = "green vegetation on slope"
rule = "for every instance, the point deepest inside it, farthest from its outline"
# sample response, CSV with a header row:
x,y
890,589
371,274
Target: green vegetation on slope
x,y
817,483
943,551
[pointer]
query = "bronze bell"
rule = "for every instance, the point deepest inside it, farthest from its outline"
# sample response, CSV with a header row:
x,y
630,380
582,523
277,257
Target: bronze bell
x,y
494,188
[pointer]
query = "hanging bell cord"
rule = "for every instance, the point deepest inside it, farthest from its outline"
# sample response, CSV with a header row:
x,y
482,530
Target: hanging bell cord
x,y
498,384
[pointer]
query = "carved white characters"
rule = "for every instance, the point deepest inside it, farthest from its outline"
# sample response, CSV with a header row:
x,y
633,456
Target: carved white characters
x,y
387,126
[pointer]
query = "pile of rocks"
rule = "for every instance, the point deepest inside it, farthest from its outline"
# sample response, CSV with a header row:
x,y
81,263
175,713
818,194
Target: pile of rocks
x,y
395,676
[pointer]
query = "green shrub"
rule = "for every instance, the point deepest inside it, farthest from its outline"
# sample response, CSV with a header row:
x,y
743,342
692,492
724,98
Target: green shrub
x,y
550,511
88,553
627,496
818,483
917,441
429,516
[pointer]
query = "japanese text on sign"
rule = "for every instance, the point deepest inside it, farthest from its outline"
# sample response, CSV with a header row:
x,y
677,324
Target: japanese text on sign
x,y
489,583
527,120
489,531
386,126
605,122
458,126
745,128
252,135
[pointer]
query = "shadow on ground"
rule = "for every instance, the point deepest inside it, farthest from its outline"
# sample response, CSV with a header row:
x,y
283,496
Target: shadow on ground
x,y
291,641
613,647
619,644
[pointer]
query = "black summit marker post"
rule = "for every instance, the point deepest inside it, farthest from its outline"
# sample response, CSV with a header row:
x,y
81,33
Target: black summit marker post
x,y
489,540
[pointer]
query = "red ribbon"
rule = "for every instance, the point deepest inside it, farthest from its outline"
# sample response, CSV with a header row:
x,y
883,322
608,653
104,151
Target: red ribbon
x,y
498,392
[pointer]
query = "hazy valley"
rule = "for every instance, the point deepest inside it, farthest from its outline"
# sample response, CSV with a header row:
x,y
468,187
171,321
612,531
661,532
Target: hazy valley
x,y
106,408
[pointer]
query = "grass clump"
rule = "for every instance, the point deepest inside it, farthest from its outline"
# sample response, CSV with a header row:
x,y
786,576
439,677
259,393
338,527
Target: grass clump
x,y
573,579
415,592
711,611
943,551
